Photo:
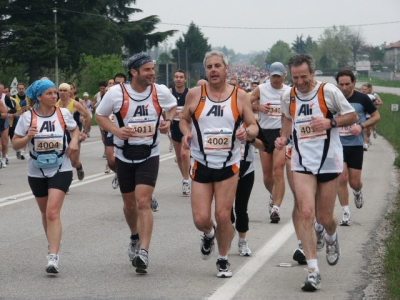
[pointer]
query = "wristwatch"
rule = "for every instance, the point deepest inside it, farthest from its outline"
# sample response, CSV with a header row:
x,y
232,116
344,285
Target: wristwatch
x,y
333,123
252,140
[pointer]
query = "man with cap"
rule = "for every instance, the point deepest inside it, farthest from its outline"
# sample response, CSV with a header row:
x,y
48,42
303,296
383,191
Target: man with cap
x,y
137,105
266,100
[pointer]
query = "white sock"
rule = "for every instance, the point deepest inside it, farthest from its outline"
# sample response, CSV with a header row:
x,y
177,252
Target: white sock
x,y
185,181
346,208
313,264
242,240
356,193
210,234
330,239
318,227
223,257
276,207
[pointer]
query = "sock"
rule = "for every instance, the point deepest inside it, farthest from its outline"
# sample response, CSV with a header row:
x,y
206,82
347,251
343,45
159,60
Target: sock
x,y
357,193
79,168
276,207
135,236
330,239
318,227
242,240
345,208
313,265
210,234
185,181
223,257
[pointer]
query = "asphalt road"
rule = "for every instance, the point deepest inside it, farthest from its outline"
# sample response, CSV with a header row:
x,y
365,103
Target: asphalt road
x,y
94,262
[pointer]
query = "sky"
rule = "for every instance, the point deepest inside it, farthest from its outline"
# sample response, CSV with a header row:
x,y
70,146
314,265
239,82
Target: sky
x,y
256,25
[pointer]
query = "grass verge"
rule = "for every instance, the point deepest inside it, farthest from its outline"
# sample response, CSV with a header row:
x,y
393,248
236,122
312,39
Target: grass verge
x,y
389,127
379,82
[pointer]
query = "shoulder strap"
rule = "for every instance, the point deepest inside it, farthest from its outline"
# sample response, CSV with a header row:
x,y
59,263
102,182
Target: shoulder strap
x,y
121,114
292,103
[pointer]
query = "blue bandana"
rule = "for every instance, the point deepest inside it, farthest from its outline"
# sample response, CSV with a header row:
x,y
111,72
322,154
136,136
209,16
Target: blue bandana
x,y
37,88
138,60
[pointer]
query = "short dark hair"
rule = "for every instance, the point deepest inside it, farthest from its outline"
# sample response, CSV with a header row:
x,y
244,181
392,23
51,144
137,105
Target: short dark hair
x,y
103,83
119,75
181,71
345,72
255,82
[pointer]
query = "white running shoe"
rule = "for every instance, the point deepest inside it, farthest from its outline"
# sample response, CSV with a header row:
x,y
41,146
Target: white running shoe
x,y
374,133
359,199
133,248
18,154
244,249
141,262
115,183
333,252
271,203
171,147
4,162
223,268
320,239
186,188
346,219
365,147
107,170
154,204
313,282
275,215
52,264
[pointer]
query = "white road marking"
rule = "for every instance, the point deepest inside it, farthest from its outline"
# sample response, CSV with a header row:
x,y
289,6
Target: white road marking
x,y
246,272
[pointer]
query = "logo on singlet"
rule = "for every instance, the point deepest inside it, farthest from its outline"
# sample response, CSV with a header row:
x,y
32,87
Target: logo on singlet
x,y
305,109
141,110
216,110
48,126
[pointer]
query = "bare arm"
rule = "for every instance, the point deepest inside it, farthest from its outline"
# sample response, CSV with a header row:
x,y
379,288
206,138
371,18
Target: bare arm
x,y
244,105
286,131
255,99
185,123
84,113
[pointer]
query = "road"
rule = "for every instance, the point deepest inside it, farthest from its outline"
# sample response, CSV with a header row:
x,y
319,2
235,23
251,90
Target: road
x,y
94,262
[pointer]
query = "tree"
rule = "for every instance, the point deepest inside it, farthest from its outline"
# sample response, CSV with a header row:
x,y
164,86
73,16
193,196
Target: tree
x,y
280,51
194,43
93,27
355,42
96,69
164,58
333,47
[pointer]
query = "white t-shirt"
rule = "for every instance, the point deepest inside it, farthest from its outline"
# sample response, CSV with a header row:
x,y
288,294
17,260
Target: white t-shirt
x,y
112,103
23,126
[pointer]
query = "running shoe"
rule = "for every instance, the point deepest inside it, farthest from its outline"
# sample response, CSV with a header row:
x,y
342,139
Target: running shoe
x,y
88,134
271,203
312,283
374,133
154,204
333,252
244,249
171,146
133,248
320,239
346,219
140,262
6,160
358,199
18,154
52,264
107,170
223,268
207,246
1,163
115,183
80,173
186,189
365,147
275,216
22,155
369,142
299,256
104,154
4,163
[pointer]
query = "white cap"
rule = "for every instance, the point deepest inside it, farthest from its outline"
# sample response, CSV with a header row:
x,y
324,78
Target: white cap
x,y
85,94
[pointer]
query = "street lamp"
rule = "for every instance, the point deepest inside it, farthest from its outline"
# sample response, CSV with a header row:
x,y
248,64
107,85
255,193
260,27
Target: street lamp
x,y
55,43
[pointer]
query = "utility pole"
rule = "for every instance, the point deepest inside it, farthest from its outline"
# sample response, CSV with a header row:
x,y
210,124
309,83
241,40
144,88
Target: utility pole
x,y
55,43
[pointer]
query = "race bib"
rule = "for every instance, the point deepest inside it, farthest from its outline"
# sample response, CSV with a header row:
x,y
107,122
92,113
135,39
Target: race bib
x,y
144,127
177,113
46,141
345,131
275,110
217,140
305,132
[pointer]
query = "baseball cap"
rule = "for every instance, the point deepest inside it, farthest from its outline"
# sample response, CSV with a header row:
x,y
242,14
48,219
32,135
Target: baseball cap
x,y
85,94
277,68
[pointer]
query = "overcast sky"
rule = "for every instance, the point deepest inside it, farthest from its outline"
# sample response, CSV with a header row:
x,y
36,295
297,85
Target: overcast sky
x,y
211,15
